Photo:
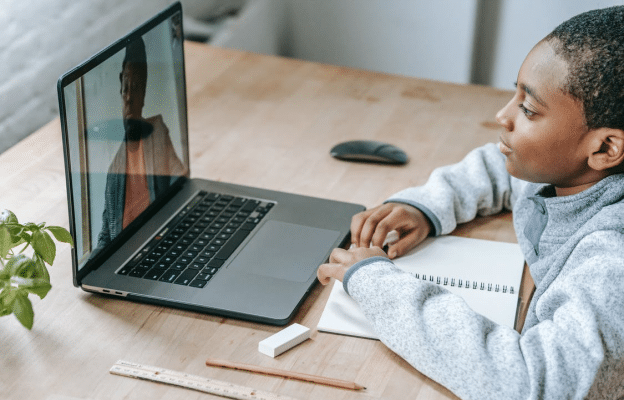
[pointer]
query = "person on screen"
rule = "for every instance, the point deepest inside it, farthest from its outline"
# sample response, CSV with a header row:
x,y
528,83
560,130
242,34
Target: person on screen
x,y
146,162
559,168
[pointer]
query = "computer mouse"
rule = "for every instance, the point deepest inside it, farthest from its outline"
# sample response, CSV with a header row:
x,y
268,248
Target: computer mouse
x,y
369,151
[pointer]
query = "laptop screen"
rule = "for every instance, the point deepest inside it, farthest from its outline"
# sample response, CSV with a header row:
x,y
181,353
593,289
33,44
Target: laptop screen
x,y
124,119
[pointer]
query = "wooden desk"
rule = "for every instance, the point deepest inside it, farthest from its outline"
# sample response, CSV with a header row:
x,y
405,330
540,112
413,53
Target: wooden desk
x,y
261,121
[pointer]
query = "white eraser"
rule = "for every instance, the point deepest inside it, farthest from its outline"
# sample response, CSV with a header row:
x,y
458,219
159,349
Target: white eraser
x,y
283,340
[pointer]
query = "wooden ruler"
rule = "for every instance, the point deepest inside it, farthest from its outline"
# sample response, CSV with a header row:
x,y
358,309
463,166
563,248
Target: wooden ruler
x,y
199,383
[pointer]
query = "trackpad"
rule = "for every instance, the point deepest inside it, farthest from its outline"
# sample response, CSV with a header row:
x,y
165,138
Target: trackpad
x,y
285,251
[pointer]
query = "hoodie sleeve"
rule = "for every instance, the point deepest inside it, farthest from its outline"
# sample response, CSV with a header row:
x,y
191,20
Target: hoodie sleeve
x,y
478,185
574,352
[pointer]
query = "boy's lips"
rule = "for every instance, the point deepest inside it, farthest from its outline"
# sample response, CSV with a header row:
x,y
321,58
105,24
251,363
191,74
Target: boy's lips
x,y
503,147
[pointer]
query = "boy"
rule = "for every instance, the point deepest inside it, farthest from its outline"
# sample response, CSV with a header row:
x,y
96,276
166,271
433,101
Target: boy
x,y
559,166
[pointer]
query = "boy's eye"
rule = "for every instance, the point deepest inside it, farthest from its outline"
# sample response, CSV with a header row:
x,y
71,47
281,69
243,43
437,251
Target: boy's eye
x,y
526,111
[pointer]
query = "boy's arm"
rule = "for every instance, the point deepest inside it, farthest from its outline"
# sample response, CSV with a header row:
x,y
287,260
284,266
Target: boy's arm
x,y
454,194
478,185
577,346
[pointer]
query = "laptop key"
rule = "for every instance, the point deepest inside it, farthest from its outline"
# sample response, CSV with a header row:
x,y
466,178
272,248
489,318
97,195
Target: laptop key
x,y
211,196
247,226
149,260
216,263
250,205
218,242
137,272
198,283
231,245
206,236
168,259
169,276
237,202
201,243
186,277
203,277
196,247
174,253
154,274
124,271
184,260
209,270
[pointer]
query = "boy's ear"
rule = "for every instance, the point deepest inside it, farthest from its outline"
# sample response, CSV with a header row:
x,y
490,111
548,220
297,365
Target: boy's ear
x,y
607,149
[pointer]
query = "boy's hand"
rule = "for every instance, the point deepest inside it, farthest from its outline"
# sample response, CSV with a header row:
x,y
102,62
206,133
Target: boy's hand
x,y
341,260
370,227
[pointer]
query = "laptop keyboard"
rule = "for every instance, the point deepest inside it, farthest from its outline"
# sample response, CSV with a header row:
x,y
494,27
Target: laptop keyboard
x,y
198,241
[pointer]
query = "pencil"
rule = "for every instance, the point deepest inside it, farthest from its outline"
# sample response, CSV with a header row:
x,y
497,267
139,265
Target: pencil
x,y
285,374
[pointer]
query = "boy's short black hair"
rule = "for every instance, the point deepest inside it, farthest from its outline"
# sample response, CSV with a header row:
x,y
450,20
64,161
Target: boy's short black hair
x,y
592,44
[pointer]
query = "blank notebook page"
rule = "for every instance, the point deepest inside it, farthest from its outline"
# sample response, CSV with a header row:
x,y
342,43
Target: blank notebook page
x,y
486,274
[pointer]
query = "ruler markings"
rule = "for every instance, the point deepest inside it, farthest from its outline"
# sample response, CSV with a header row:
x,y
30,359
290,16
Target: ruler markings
x,y
199,383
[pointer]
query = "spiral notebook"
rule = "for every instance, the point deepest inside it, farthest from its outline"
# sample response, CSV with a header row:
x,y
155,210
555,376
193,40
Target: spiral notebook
x,y
486,274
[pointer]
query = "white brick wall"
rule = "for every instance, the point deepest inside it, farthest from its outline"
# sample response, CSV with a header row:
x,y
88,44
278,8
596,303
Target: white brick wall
x,y
41,39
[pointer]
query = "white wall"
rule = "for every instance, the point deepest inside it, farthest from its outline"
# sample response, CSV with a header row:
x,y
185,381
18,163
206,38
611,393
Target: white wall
x,y
523,23
424,38
464,41
258,28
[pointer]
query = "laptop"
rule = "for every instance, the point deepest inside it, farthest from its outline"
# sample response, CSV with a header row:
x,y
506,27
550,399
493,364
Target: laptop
x,y
143,229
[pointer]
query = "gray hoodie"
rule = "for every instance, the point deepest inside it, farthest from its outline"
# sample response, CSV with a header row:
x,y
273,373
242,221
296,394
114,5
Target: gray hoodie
x,y
572,343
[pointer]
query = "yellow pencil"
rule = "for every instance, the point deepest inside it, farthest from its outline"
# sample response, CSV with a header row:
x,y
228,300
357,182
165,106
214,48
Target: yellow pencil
x,y
285,374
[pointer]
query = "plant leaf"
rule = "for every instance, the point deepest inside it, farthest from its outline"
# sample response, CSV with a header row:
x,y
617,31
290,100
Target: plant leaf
x,y
15,230
4,276
61,234
40,287
41,272
6,301
22,308
5,241
4,309
7,217
43,244
29,226
21,265
17,240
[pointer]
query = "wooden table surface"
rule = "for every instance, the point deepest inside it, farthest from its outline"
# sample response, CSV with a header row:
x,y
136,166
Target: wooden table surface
x,y
260,121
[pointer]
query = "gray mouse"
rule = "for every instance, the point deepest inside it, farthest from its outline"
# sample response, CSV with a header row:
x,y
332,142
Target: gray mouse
x,y
369,151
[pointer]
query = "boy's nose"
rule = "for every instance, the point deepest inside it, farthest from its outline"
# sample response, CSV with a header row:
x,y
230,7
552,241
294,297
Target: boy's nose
x,y
504,119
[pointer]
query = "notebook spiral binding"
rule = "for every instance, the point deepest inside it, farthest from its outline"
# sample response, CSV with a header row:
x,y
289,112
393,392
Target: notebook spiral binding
x,y
465,284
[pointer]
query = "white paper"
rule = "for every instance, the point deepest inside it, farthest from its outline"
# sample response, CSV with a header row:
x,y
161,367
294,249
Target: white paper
x,y
495,266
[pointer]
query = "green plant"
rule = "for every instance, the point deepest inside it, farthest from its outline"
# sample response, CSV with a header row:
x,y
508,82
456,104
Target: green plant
x,y
21,274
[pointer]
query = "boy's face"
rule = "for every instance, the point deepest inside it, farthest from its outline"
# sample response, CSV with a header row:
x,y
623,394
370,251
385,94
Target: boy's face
x,y
544,127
